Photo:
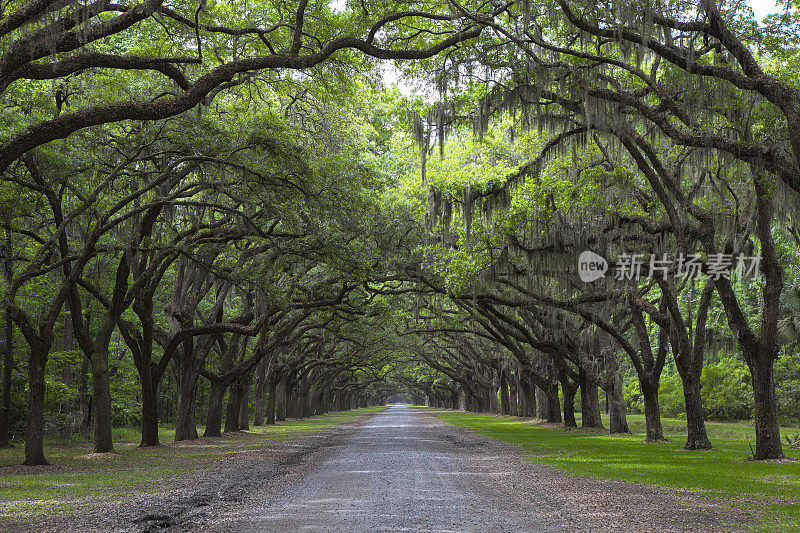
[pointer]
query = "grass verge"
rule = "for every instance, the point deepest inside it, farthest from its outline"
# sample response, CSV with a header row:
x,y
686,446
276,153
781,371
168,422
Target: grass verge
x,y
768,490
75,477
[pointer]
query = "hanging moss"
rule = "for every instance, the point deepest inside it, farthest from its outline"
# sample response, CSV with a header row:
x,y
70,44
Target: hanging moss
x,y
447,213
467,206
434,206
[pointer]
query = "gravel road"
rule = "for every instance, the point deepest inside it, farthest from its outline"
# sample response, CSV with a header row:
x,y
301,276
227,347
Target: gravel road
x,y
407,471
400,470
393,474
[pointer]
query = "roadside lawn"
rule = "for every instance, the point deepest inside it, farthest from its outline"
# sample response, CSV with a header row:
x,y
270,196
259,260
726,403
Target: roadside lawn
x,y
76,477
768,490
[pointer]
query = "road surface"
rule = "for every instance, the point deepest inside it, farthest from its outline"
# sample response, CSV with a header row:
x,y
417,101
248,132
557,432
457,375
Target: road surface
x,y
393,474
405,470
400,470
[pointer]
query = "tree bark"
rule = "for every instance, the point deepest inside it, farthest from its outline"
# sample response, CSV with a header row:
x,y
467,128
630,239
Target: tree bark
x,y
455,399
301,406
34,424
527,399
260,392
101,383
542,405
505,407
83,396
244,405
291,401
149,407
8,366
689,355
568,388
768,437
280,400
652,412
66,377
215,397
149,374
513,393
617,418
590,402
553,405
185,423
696,438
493,402
233,407
761,350
271,403
8,351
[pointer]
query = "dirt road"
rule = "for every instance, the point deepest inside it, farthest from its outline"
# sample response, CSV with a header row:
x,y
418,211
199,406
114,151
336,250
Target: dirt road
x,y
394,474
405,470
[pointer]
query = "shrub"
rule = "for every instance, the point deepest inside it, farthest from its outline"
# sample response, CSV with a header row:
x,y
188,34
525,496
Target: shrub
x,y
727,391
787,386
670,396
634,401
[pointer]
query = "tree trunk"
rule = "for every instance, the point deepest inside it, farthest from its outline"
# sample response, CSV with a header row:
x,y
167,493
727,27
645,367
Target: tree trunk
x,y
617,417
8,351
149,407
301,406
34,424
590,402
468,401
244,406
494,404
280,400
505,407
696,438
66,376
553,405
689,356
527,401
8,366
768,436
291,402
215,396
271,403
513,401
185,423
652,412
101,384
542,407
482,401
102,406
233,407
83,396
149,375
260,392
321,401
568,388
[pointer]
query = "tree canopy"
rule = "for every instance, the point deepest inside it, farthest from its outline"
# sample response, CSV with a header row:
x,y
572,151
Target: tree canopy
x,y
220,212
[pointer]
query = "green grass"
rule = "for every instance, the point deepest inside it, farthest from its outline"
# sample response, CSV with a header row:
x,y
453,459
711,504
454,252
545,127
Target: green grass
x,y
75,476
768,490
